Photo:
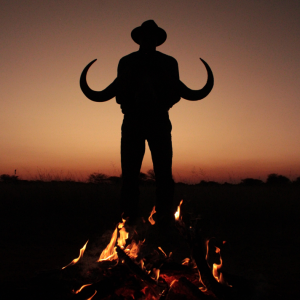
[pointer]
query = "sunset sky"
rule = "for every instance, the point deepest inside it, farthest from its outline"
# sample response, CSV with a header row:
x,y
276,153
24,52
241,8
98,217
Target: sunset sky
x,y
249,125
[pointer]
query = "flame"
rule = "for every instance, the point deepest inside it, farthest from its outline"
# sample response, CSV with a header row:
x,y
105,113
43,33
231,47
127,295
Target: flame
x,y
175,280
177,214
163,251
78,291
133,249
92,295
75,260
150,219
185,262
218,275
206,244
142,264
202,288
123,237
156,273
110,253
216,267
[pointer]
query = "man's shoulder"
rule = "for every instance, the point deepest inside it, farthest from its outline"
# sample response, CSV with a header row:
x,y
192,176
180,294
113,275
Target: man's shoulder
x,y
130,56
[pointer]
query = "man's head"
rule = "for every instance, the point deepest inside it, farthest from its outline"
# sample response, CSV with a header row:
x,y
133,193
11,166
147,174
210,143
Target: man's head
x,y
149,35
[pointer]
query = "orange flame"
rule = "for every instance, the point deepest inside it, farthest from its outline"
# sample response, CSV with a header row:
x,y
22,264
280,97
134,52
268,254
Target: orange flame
x,y
75,260
150,219
216,267
185,262
177,214
133,249
163,251
110,253
175,280
92,295
156,273
206,244
123,237
78,291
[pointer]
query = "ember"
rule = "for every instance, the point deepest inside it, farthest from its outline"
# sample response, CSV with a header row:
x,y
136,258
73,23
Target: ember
x,y
140,273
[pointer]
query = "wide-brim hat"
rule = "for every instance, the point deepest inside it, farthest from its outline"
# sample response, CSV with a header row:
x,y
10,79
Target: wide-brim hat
x,y
149,25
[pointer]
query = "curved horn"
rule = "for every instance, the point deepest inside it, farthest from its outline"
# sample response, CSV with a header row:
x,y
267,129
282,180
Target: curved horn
x,y
194,95
98,96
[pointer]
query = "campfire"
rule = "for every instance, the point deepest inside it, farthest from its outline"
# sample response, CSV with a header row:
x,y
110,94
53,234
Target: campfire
x,y
128,269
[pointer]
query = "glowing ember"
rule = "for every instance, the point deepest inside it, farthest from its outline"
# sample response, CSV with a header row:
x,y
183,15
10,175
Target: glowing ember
x,y
78,291
75,260
177,214
150,219
92,295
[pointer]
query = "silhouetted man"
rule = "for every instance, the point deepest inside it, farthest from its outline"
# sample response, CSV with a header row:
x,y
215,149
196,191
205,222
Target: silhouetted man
x,y
145,95
146,87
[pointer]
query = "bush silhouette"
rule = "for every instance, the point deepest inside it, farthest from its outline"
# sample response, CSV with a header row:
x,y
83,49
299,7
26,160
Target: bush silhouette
x,y
97,178
251,182
8,178
275,179
297,181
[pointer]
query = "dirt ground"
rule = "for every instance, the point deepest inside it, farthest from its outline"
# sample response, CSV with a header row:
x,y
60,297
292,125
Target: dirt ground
x,y
43,226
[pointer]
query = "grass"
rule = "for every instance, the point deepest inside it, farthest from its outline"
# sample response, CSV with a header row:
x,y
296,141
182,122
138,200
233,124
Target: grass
x,y
44,224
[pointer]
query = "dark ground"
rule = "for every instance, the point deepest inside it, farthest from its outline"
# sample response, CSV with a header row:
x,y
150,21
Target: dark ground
x,y
43,226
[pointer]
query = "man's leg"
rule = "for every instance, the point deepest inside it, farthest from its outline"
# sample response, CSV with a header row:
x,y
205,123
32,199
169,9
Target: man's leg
x,y
160,144
132,153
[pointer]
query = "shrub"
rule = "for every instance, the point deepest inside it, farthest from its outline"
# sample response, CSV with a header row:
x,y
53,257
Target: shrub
x,y
275,179
251,182
8,178
98,178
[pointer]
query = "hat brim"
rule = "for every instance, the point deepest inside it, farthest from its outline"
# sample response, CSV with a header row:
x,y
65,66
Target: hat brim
x,y
160,34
